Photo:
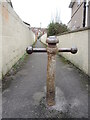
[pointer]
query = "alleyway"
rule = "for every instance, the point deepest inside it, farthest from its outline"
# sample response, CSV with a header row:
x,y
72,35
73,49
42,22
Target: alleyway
x,y
25,96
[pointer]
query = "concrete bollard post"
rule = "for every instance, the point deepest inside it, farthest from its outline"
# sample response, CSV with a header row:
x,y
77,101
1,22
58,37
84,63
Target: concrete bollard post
x,y
51,51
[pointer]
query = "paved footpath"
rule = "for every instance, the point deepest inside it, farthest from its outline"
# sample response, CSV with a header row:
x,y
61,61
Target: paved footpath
x,y
24,97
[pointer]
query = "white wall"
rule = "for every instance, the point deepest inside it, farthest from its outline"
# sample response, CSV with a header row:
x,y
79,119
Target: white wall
x,y
15,37
0,41
0,61
89,52
43,38
80,40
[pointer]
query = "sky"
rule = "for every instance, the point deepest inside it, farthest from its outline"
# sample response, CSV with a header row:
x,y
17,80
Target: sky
x,y
39,13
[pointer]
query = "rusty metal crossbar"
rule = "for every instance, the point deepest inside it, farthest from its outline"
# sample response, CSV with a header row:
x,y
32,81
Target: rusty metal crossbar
x,y
39,50
30,50
73,50
51,52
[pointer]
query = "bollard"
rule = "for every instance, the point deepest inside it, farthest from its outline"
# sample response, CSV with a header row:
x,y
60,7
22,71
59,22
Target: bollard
x,y
51,65
51,51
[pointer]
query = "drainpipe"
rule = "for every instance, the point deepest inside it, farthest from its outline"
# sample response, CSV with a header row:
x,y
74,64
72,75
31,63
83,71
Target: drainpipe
x,y
84,13
87,12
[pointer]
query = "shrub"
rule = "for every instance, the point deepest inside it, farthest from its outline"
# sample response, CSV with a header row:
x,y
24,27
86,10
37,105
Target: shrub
x,y
56,28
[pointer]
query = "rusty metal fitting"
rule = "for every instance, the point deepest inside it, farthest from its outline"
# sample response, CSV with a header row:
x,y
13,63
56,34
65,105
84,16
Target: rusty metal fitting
x,y
74,50
29,49
52,40
51,66
53,50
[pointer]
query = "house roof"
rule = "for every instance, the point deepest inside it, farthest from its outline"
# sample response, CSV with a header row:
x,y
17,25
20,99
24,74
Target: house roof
x,y
71,3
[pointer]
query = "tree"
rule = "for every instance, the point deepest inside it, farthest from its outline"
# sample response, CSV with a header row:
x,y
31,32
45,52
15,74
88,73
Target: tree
x,y
56,28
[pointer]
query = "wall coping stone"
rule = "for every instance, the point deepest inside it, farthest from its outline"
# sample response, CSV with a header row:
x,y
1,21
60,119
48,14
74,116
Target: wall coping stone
x,y
73,31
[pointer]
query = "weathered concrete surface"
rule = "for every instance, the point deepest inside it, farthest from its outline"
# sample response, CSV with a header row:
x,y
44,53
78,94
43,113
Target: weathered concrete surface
x,y
80,40
43,38
16,36
0,42
25,95
0,60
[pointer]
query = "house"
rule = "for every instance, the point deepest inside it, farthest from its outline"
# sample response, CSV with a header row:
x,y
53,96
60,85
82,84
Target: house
x,y
80,14
39,31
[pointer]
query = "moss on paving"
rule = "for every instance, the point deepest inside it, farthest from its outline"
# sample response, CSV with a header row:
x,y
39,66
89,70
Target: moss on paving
x,y
6,81
45,45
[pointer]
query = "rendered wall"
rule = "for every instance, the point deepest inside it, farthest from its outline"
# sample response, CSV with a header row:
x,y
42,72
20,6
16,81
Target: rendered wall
x,y
80,40
0,62
16,36
43,38
0,41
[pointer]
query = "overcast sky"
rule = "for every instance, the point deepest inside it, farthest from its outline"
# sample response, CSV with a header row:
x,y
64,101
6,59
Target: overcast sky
x,y
42,11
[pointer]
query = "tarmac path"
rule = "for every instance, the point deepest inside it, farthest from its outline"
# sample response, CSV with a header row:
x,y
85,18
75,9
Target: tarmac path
x,y
24,97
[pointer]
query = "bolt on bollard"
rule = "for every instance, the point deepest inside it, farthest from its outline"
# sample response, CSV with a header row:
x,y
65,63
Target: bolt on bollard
x,y
51,51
